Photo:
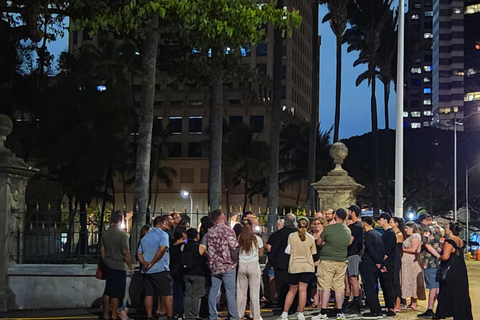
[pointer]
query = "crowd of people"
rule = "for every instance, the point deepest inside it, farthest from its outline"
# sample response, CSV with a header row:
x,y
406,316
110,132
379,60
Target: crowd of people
x,y
338,256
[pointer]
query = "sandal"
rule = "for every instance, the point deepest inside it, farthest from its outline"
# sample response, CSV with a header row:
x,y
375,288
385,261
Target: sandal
x,y
313,306
412,308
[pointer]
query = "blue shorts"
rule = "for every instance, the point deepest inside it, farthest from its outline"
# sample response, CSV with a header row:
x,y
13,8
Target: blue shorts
x,y
430,282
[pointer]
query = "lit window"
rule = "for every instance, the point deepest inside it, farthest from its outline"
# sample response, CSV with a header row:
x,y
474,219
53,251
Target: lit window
x,y
472,96
428,35
427,68
416,70
427,90
471,72
458,73
427,79
405,114
457,10
101,88
428,113
416,114
427,102
428,13
416,125
415,16
474,8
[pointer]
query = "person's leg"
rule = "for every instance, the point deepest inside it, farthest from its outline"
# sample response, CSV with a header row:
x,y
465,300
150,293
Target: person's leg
x,y
338,283
188,301
386,282
114,302
348,291
149,306
281,281
198,285
160,306
302,296
213,296
290,296
230,283
168,302
432,296
413,304
242,286
370,280
106,307
254,283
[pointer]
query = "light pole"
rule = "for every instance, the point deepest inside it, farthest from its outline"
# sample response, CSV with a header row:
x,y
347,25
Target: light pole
x,y
467,217
186,194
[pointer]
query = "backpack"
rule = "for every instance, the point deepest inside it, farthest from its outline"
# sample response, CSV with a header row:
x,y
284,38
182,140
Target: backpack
x,y
187,258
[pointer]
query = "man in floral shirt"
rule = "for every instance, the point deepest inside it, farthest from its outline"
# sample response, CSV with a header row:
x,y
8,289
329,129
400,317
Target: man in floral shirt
x,y
432,245
222,244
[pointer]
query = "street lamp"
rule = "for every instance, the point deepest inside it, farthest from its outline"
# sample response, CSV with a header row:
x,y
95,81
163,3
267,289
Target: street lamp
x,y
467,214
186,194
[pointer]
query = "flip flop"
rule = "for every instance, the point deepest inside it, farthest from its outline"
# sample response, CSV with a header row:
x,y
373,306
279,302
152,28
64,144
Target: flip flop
x,y
412,308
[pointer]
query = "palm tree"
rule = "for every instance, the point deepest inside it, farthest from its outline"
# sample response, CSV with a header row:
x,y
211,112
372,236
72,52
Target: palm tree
x,y
338,18
367,20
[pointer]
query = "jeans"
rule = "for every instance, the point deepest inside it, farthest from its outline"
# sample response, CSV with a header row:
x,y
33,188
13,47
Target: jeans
x,y
178,295
229,281
194,291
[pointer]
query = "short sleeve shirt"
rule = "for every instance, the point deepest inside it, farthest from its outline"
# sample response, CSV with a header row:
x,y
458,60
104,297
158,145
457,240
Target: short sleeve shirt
x,y
220,240
431,235
251,256
357,245
149,246
337,239
114,241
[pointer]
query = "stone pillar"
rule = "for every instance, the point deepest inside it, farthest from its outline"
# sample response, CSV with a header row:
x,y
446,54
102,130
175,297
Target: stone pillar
x,y
14,174
337,189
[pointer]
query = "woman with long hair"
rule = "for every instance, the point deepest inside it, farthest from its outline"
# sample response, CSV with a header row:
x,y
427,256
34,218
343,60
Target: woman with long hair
x,y
316,229
398,226
301,267
411,275
249,275
454,298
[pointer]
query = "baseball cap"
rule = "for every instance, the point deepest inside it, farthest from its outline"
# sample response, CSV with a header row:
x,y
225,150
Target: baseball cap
x,y
384,215
355,208
341,213
422,217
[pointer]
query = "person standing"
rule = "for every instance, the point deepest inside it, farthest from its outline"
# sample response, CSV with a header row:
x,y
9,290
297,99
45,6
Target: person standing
x,y
176,267
222,247
398,226
279,260
352,285
153,254
333,263
432,243
372,258
387,267
249,274
115,254
454,298
412,278
316,229
300,267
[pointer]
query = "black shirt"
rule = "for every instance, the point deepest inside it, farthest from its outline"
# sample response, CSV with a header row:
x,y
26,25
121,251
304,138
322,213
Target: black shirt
x,y
374,250
356,247
389,240
277,257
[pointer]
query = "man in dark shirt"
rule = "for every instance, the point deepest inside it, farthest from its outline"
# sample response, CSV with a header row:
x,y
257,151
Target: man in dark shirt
x,y
371,259
388,265
353,255
277,257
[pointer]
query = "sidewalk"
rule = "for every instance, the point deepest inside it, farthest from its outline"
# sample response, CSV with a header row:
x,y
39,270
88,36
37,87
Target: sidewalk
x,y
57,314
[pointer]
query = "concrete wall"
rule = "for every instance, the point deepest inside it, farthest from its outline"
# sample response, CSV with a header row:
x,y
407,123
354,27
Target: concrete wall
x,y
49,286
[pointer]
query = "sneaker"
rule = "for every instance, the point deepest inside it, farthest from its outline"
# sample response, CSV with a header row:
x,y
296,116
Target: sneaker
x,y
427,314
300,316
390,313
340,316
284,316
372,315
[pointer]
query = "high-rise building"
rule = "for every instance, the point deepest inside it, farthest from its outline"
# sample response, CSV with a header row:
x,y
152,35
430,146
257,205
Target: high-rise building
x,y
418,70
186,112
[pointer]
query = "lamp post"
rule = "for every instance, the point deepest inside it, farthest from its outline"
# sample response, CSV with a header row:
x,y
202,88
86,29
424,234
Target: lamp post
x,y
186,194
467,217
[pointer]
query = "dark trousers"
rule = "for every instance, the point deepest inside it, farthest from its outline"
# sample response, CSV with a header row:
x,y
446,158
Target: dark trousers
x,y
178,295
386,282
370,281
281,282
396,279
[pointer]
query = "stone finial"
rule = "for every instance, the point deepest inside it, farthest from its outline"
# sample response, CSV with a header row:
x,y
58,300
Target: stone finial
x,y
338,152
6,126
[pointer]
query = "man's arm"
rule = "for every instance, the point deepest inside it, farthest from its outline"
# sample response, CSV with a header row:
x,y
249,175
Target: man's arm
x,y
391,241
160,252
128,259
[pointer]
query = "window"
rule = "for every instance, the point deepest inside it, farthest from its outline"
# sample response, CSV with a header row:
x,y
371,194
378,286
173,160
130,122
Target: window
x,y
194,149
472,96
427,90
474,8
236,120
175,149
415,16
428,113
427,123
416,70
262,50
428,35
405,114
427,79
416,114
416,125
256,123
176,102
195,125
427,68
457,10
175,125
428,13
417,5
246,50
157,126
196,103
427,102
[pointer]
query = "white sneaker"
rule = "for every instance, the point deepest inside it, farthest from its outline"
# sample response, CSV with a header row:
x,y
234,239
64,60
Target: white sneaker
x,y
340,316
320,317
284,316
300,316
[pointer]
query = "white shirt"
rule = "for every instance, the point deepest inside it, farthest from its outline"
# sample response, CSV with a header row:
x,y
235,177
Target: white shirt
x,y
251,256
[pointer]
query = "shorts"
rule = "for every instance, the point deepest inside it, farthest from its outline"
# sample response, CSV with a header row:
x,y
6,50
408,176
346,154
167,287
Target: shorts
x,y
159,284
115,284
430,275
353,269
331,275
304,277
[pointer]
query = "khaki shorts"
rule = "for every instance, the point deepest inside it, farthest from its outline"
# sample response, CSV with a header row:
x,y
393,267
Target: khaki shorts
x,y
331,275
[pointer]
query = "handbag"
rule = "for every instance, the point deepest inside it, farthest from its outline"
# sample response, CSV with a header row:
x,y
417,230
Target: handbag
x,y
442,271
101,270
288,249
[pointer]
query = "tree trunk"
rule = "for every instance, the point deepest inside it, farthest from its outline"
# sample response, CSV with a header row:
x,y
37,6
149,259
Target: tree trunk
x,y
144,146
338,89
376,176
275,127
314,126
215,158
